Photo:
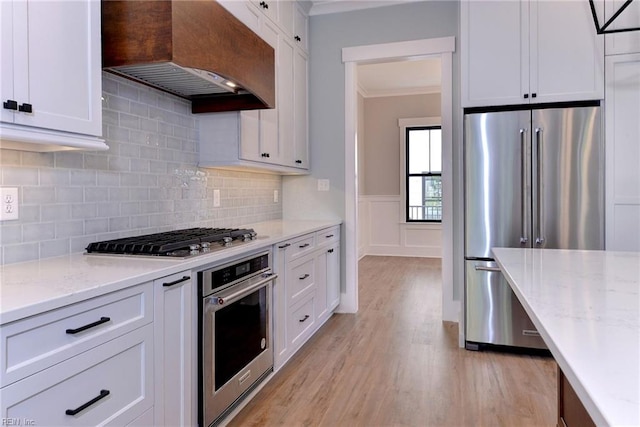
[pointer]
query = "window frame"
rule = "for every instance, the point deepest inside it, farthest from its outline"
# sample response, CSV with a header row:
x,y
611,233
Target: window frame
x,y
405,126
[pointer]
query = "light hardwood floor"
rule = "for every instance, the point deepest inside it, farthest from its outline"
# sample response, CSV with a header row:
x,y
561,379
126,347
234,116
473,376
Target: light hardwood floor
x,y
395,363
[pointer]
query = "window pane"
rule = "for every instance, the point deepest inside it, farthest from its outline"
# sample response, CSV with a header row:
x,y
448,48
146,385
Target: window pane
x,y
436,150
425,198
418,150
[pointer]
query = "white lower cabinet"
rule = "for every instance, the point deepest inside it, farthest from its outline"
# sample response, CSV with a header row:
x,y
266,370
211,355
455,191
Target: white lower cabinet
x,y
87,363
111,384
174,327
307,290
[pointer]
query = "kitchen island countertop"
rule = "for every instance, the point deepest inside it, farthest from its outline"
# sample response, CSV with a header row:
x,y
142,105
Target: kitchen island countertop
x,y
32,287
586,306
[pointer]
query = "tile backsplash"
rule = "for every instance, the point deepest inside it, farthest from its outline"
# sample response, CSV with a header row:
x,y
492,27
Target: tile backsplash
x,y
148,181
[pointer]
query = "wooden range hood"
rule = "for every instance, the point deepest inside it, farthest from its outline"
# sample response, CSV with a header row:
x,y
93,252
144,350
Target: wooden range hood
x,y
191,49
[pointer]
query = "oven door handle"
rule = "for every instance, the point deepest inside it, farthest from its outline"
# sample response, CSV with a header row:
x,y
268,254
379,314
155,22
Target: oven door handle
x,y
222,299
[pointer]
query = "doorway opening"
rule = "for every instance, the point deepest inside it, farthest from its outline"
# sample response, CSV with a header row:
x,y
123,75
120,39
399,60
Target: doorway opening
x,y
352,57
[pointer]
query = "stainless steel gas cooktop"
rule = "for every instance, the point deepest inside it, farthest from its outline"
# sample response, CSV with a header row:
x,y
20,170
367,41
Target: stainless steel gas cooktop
x,y
178,243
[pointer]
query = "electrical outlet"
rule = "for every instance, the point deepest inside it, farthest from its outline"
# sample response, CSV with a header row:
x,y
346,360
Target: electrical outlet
x,y
275,196
323,185
216,198
9,204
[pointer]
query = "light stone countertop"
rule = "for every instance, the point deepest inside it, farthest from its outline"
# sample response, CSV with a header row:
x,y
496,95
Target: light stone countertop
x,y
586,306
33,287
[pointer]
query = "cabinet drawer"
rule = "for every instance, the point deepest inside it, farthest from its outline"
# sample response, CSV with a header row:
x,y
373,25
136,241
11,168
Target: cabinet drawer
x,y
302,321
121,371
300,279
328,236
299,247
36,343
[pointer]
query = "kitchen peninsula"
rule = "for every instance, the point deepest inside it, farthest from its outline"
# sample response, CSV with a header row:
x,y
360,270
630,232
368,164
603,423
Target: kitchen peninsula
x,y
586,306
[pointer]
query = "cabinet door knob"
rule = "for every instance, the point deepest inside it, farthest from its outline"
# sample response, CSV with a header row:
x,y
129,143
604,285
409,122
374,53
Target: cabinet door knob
x,y
330,251
526,95
26,108
533,95
10,104
299,162
297,38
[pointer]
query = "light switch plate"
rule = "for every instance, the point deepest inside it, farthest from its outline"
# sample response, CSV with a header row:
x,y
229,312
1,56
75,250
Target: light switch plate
x,y
216,198
9,204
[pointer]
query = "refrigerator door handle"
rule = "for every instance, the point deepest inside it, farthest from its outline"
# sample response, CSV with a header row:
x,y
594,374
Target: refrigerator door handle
x,y
539,187
523,186
487,268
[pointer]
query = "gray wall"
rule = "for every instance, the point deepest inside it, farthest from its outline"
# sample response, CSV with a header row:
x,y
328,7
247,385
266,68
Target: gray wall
x,y
147,181
382,138
328,35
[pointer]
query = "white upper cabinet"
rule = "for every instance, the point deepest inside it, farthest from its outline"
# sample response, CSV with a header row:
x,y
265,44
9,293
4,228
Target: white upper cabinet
x,y
529,51
51,74
274,140
623,42
300,28
300,110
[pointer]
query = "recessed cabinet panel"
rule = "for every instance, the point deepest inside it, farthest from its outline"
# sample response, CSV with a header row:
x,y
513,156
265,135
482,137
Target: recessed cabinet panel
x,y
300,30
627,42
300,111
6,56
302,279
567,56
622,153
109,384
492,57
55,61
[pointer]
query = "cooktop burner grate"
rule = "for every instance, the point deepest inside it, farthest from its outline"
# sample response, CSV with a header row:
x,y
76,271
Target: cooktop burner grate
x,y
185,242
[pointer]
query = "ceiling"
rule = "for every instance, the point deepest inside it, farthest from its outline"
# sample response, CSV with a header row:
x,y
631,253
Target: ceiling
x,y
408,77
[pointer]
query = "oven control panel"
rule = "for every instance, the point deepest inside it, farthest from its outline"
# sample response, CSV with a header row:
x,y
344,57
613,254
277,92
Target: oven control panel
x,y
223,276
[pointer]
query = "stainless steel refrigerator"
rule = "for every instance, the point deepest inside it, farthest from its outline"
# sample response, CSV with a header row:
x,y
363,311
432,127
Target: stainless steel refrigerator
x,y
534,178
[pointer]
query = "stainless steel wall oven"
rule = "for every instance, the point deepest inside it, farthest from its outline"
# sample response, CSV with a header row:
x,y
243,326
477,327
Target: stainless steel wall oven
x,y
235,347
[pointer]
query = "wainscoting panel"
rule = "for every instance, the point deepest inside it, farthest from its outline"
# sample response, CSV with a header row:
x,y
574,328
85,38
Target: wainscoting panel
x,y
383,231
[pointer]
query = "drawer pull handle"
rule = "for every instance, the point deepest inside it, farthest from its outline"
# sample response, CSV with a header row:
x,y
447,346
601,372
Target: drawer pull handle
x,y
89,326
329,236
103,394
286,245
306,316
303,277
330,251
303,246
175,282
